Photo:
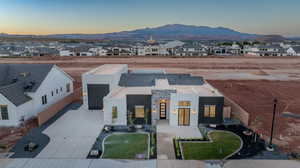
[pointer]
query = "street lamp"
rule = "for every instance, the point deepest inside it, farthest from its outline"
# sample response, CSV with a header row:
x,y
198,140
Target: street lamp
x,y
270,146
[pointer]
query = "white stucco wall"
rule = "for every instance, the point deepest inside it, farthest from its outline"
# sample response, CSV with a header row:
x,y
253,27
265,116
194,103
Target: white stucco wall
x,y
121,105
93,78
175,98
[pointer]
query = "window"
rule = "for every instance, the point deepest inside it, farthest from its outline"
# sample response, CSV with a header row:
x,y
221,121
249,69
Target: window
x,y
44,99
184,103
114,113
139,112
56,91
210,111
61,89
68,88
52,93
3,112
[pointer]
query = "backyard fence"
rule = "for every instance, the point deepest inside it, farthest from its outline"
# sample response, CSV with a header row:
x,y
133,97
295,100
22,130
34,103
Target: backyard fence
x,y
47,114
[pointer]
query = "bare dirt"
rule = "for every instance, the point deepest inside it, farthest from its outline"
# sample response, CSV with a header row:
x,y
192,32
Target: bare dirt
x,y
9,136
256,97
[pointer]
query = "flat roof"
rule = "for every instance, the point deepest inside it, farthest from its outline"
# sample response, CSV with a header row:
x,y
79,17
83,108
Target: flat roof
x,y
107,69
200,90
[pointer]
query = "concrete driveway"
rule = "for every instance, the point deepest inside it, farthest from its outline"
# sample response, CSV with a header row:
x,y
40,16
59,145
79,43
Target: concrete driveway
x,y
73,134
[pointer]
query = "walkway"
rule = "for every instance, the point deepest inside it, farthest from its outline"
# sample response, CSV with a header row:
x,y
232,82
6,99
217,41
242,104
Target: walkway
x,y
165,135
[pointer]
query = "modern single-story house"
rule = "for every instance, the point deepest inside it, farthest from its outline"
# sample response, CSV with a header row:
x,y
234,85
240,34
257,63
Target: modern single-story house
x,y
27,89
147,96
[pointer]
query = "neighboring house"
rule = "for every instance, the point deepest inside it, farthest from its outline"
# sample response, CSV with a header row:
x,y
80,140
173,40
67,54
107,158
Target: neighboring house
x,y
83,51
27,89
4,53
190,50
293,51
119,51
99,51
67,52
44,51
145,97
267,50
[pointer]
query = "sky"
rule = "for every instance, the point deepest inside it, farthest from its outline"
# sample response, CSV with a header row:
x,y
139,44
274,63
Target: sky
x,y
103,16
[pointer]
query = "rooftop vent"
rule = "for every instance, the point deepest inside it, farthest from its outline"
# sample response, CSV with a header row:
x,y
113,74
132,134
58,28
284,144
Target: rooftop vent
x,y
14,80
29,85
24,74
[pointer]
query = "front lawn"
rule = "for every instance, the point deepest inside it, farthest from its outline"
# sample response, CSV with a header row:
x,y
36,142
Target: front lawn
x,y
224,144
125,146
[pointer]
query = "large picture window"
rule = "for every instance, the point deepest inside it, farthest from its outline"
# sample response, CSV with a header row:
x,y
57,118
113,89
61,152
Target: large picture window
x,y
210,111
139,112
3,112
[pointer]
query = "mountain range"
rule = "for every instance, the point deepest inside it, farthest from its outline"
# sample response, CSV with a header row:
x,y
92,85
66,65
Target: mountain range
x,y
166,32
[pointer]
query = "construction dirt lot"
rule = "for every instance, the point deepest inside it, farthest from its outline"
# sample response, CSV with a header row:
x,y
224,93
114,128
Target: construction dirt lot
x,y
252,82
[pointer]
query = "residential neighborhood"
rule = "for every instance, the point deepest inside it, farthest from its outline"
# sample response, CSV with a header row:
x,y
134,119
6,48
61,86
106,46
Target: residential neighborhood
x,y
149,47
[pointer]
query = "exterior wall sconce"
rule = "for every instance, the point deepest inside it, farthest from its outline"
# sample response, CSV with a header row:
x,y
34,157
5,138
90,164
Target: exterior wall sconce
x,y
84,94
194,111
153,111
175,111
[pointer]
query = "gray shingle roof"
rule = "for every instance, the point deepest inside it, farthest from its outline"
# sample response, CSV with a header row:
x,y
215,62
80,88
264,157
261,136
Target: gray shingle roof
x,y
146,79
20,78
296,49
15,93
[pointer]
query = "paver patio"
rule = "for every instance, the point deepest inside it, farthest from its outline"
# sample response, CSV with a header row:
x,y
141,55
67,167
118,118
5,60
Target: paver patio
x,y
73,134
165,135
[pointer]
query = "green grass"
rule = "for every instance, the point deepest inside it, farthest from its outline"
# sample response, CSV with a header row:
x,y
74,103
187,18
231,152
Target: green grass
x,y
224,144
125,146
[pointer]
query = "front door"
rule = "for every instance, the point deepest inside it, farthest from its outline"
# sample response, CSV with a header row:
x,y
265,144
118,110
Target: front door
x,y
184,116
163,110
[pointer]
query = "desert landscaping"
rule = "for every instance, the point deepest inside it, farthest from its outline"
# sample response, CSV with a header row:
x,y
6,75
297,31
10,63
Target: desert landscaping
x,y
251,82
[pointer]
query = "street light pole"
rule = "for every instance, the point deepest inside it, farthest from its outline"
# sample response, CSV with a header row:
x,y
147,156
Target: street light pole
x,y
272,128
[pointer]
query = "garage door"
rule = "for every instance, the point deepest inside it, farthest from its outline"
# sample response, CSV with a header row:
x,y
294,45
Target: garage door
x,y
96,92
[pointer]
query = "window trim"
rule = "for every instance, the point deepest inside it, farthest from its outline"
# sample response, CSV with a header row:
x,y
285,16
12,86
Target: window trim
x,y
44,99
68,87
1,112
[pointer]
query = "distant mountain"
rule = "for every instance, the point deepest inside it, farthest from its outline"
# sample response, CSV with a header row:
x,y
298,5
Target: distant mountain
x,y
166,32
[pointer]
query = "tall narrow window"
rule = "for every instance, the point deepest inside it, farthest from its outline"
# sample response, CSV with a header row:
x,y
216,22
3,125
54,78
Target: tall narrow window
x,y
139,112
114,113
3,112
210,111
68,87
44,99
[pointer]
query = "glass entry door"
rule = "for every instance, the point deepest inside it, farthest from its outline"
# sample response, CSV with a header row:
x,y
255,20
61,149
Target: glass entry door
x,y
163,110
184,116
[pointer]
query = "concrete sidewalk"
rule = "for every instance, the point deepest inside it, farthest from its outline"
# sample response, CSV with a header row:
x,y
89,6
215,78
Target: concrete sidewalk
x,y
75,163
165,135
